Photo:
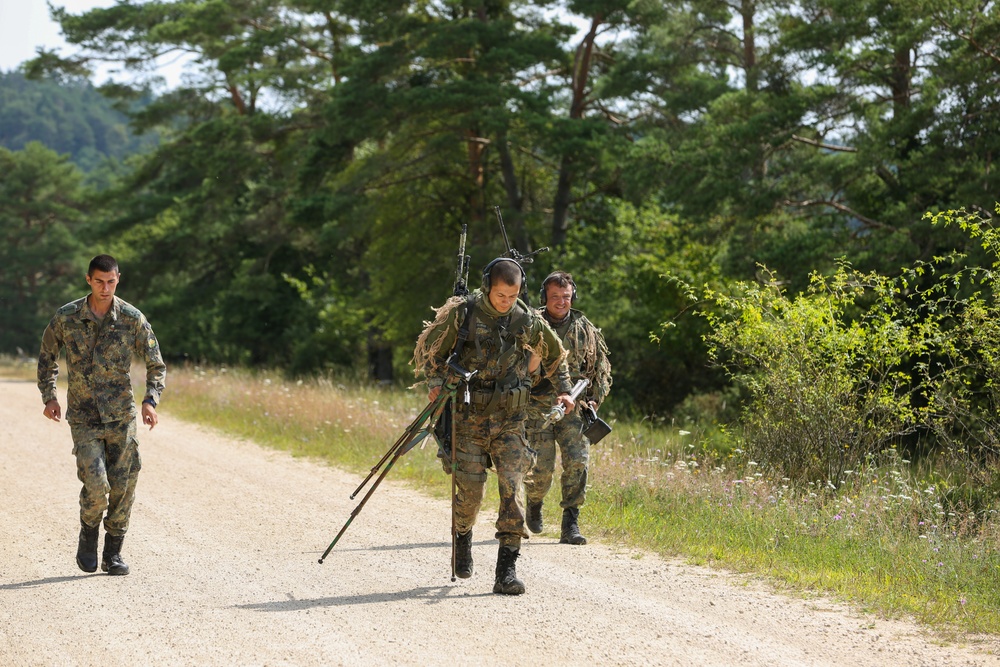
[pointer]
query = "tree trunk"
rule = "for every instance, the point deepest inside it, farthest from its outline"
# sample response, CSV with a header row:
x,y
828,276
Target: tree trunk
x,y
379,359
580,78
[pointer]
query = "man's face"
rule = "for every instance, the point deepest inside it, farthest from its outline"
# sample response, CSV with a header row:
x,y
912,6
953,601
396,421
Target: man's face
x,y
502,296
558,300
102,286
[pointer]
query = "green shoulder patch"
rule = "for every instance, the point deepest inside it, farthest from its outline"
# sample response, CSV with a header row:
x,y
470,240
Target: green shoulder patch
x,y
69,308
129,310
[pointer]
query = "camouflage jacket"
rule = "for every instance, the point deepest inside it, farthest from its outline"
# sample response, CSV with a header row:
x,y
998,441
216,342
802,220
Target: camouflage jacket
x,y
99,361
499,347
587,357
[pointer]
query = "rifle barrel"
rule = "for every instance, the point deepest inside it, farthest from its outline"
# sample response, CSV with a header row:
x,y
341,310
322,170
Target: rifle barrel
x,y
459,275
503,230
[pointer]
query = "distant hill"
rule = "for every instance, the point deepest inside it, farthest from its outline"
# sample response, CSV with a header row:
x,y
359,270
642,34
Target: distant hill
x,y
68,117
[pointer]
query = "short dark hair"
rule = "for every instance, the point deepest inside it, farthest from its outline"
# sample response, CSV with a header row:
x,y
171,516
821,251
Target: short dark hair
x,y
105,263
507,272
561,278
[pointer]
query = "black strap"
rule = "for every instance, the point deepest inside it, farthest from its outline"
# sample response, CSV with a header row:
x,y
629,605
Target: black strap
x,y
463,329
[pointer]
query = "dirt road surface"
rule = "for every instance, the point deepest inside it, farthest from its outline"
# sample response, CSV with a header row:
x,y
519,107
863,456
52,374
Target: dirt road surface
x,y
224,543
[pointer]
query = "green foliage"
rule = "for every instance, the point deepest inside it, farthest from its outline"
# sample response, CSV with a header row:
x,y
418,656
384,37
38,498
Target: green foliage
x,y
618,258
831,374
69,117
320,158
43,256
966,405
844,372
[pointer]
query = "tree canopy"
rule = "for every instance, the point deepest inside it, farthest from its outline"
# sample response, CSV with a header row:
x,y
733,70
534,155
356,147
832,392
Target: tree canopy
x,y
68,116
303,205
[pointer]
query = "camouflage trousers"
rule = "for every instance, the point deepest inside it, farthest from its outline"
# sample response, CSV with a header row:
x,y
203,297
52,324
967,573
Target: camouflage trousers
x,y
500,436
574,451
107,462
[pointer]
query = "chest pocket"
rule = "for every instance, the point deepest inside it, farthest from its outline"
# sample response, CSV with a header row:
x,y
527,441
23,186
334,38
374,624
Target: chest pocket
x,y
79,339
486,343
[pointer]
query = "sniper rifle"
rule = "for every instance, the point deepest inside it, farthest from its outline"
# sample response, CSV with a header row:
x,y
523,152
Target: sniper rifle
x,y
514,253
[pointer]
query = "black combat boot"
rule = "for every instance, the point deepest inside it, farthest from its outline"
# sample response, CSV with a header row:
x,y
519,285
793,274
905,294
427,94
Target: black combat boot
x,y
570,531
112,562
507,581
86,552
463,555
534,518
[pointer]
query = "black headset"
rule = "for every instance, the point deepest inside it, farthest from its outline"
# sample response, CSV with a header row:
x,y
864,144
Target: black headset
x,y
542,296
489,269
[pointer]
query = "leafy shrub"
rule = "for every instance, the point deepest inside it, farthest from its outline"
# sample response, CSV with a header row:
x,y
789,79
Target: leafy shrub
x,y
837,375
833,376
965,406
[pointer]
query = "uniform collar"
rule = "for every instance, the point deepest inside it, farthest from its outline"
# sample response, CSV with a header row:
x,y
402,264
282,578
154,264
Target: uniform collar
x,y
487,307
556,323
110,316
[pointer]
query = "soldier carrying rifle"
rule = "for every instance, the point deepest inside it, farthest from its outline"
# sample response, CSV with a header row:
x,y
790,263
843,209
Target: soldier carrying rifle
x,y
493,334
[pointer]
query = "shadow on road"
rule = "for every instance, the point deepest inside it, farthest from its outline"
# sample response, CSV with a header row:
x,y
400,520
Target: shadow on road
x,y
399,547
49,580
433,595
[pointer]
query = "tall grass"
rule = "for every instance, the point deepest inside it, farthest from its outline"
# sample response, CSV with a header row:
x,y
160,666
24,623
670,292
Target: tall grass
x,y
882,540
887,537
350,426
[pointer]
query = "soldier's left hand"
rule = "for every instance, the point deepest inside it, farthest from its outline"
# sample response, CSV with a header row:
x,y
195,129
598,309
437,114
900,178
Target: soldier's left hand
x,y
567,402
149,415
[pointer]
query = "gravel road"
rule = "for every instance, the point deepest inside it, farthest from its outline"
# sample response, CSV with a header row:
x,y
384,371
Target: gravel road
x,y
223,548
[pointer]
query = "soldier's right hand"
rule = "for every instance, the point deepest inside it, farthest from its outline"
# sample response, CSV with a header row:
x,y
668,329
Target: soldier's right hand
x,y
53,410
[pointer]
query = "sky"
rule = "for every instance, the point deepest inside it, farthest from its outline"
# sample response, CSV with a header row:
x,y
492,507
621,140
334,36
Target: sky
x,y
25,25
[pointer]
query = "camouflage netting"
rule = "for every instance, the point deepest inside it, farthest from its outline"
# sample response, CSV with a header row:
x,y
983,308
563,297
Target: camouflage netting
x,y
426,357
541,349
588,344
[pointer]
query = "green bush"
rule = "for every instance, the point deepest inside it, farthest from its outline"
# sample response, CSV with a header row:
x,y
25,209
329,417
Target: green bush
x,y
965,406
830,373
860,363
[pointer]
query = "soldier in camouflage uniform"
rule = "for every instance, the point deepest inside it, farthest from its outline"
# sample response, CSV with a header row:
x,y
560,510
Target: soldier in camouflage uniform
x,y
587,358
100,333
503,336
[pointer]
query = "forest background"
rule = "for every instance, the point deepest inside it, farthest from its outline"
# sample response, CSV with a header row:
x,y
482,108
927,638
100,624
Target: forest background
x,y
296,201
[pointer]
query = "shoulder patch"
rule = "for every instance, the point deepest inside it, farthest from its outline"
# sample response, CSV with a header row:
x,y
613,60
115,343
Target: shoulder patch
x,y
69,308
129,310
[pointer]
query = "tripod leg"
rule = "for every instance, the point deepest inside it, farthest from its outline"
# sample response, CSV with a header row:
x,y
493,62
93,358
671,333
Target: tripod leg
x,y
454,498
357,510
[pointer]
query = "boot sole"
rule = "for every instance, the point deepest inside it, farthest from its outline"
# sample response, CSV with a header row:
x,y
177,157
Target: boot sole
x,y
508,590
578,542
463,575
114,572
